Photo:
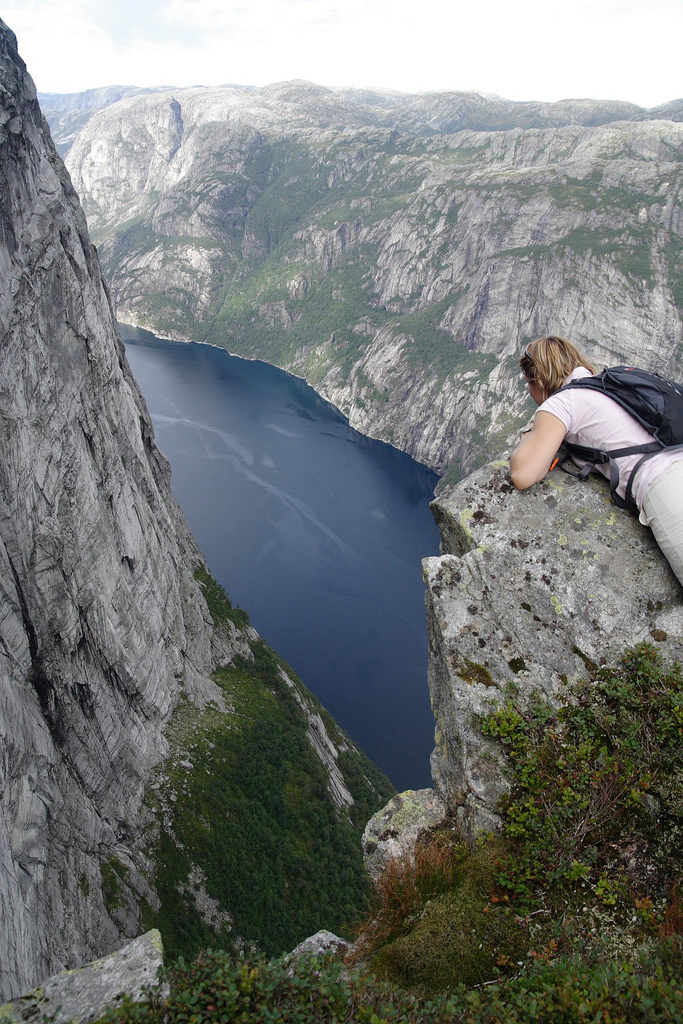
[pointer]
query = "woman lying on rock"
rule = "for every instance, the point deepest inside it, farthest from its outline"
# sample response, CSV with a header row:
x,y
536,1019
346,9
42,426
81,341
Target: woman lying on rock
x,y
586,417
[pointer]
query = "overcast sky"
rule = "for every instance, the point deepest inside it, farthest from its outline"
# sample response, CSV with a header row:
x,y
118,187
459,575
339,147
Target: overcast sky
x,y
521,49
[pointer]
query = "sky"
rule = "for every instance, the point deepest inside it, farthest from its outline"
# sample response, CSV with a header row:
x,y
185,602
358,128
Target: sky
x,y
520,49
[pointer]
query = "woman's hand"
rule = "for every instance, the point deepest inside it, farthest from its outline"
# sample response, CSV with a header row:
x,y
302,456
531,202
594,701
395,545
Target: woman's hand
x,y
531,459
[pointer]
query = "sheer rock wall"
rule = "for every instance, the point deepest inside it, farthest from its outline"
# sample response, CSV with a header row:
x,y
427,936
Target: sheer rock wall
x,y
101,620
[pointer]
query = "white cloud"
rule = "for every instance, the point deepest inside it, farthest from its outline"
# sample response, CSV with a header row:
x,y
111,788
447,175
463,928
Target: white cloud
x,y
524,50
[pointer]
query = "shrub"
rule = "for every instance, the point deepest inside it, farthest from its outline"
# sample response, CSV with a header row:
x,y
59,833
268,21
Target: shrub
x,y
596,786
590,852
218,989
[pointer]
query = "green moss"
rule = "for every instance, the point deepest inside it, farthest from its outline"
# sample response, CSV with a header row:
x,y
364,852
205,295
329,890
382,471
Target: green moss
x,y
474,672
457,939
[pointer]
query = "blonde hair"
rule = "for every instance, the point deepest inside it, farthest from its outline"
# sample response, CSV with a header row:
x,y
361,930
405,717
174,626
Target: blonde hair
x,y
550,361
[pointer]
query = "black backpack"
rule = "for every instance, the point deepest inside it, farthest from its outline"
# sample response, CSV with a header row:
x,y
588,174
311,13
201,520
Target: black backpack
x,y
657,404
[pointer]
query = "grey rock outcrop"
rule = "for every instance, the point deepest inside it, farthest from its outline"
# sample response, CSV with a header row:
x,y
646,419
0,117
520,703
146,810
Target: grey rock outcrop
x,y
82,995
323,942
532,587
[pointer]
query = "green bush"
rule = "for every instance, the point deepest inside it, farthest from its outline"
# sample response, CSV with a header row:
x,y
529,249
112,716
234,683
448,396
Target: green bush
x,y
590,854
571,992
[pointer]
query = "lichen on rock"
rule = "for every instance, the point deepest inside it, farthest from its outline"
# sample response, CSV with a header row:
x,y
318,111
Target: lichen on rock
x,y
392,833
82,995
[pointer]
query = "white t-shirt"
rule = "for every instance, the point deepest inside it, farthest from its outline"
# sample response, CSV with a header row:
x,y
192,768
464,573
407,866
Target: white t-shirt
x,y
597,421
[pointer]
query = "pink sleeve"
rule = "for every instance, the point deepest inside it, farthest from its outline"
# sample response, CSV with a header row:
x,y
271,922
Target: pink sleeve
x,y
559,405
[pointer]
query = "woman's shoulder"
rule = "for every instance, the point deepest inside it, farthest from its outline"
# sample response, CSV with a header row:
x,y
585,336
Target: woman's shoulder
x,y
568,397
568,404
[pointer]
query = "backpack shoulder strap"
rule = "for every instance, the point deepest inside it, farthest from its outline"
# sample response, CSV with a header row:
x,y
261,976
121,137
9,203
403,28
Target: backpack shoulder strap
x,y
597,456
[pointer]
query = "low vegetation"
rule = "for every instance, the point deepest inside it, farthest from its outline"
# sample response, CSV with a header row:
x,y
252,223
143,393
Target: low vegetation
x,y
216,989
220,606
590,852
572,913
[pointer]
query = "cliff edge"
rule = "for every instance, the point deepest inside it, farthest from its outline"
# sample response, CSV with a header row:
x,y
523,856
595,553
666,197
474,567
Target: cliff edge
x,y
532,588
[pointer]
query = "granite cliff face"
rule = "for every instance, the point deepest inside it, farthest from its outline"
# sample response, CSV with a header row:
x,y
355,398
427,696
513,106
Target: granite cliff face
x,y
395,251
105,631
68,113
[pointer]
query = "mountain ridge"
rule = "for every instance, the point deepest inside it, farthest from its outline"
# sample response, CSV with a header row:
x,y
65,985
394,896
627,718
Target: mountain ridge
x,y
397,270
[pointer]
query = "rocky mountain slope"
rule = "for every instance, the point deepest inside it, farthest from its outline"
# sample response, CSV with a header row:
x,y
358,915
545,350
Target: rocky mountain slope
x,y
385,249
66,113
150,742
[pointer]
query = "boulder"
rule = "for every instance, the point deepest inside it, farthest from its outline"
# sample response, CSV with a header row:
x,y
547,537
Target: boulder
x,y
391,834
319,944
82,995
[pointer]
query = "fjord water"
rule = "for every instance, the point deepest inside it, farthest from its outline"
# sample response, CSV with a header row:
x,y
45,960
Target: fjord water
x,y
316,530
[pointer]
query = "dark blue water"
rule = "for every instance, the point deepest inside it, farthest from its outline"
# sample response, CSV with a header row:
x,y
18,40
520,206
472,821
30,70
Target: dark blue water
x,y
314,529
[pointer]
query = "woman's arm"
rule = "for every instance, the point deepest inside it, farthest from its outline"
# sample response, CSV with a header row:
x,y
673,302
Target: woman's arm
x,y
531,459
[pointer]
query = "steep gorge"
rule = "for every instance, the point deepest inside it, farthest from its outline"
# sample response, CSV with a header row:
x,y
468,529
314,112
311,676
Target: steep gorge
x,y
112,718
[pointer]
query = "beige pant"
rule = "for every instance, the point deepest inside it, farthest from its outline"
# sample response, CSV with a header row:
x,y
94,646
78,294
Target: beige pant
x,y
663,513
